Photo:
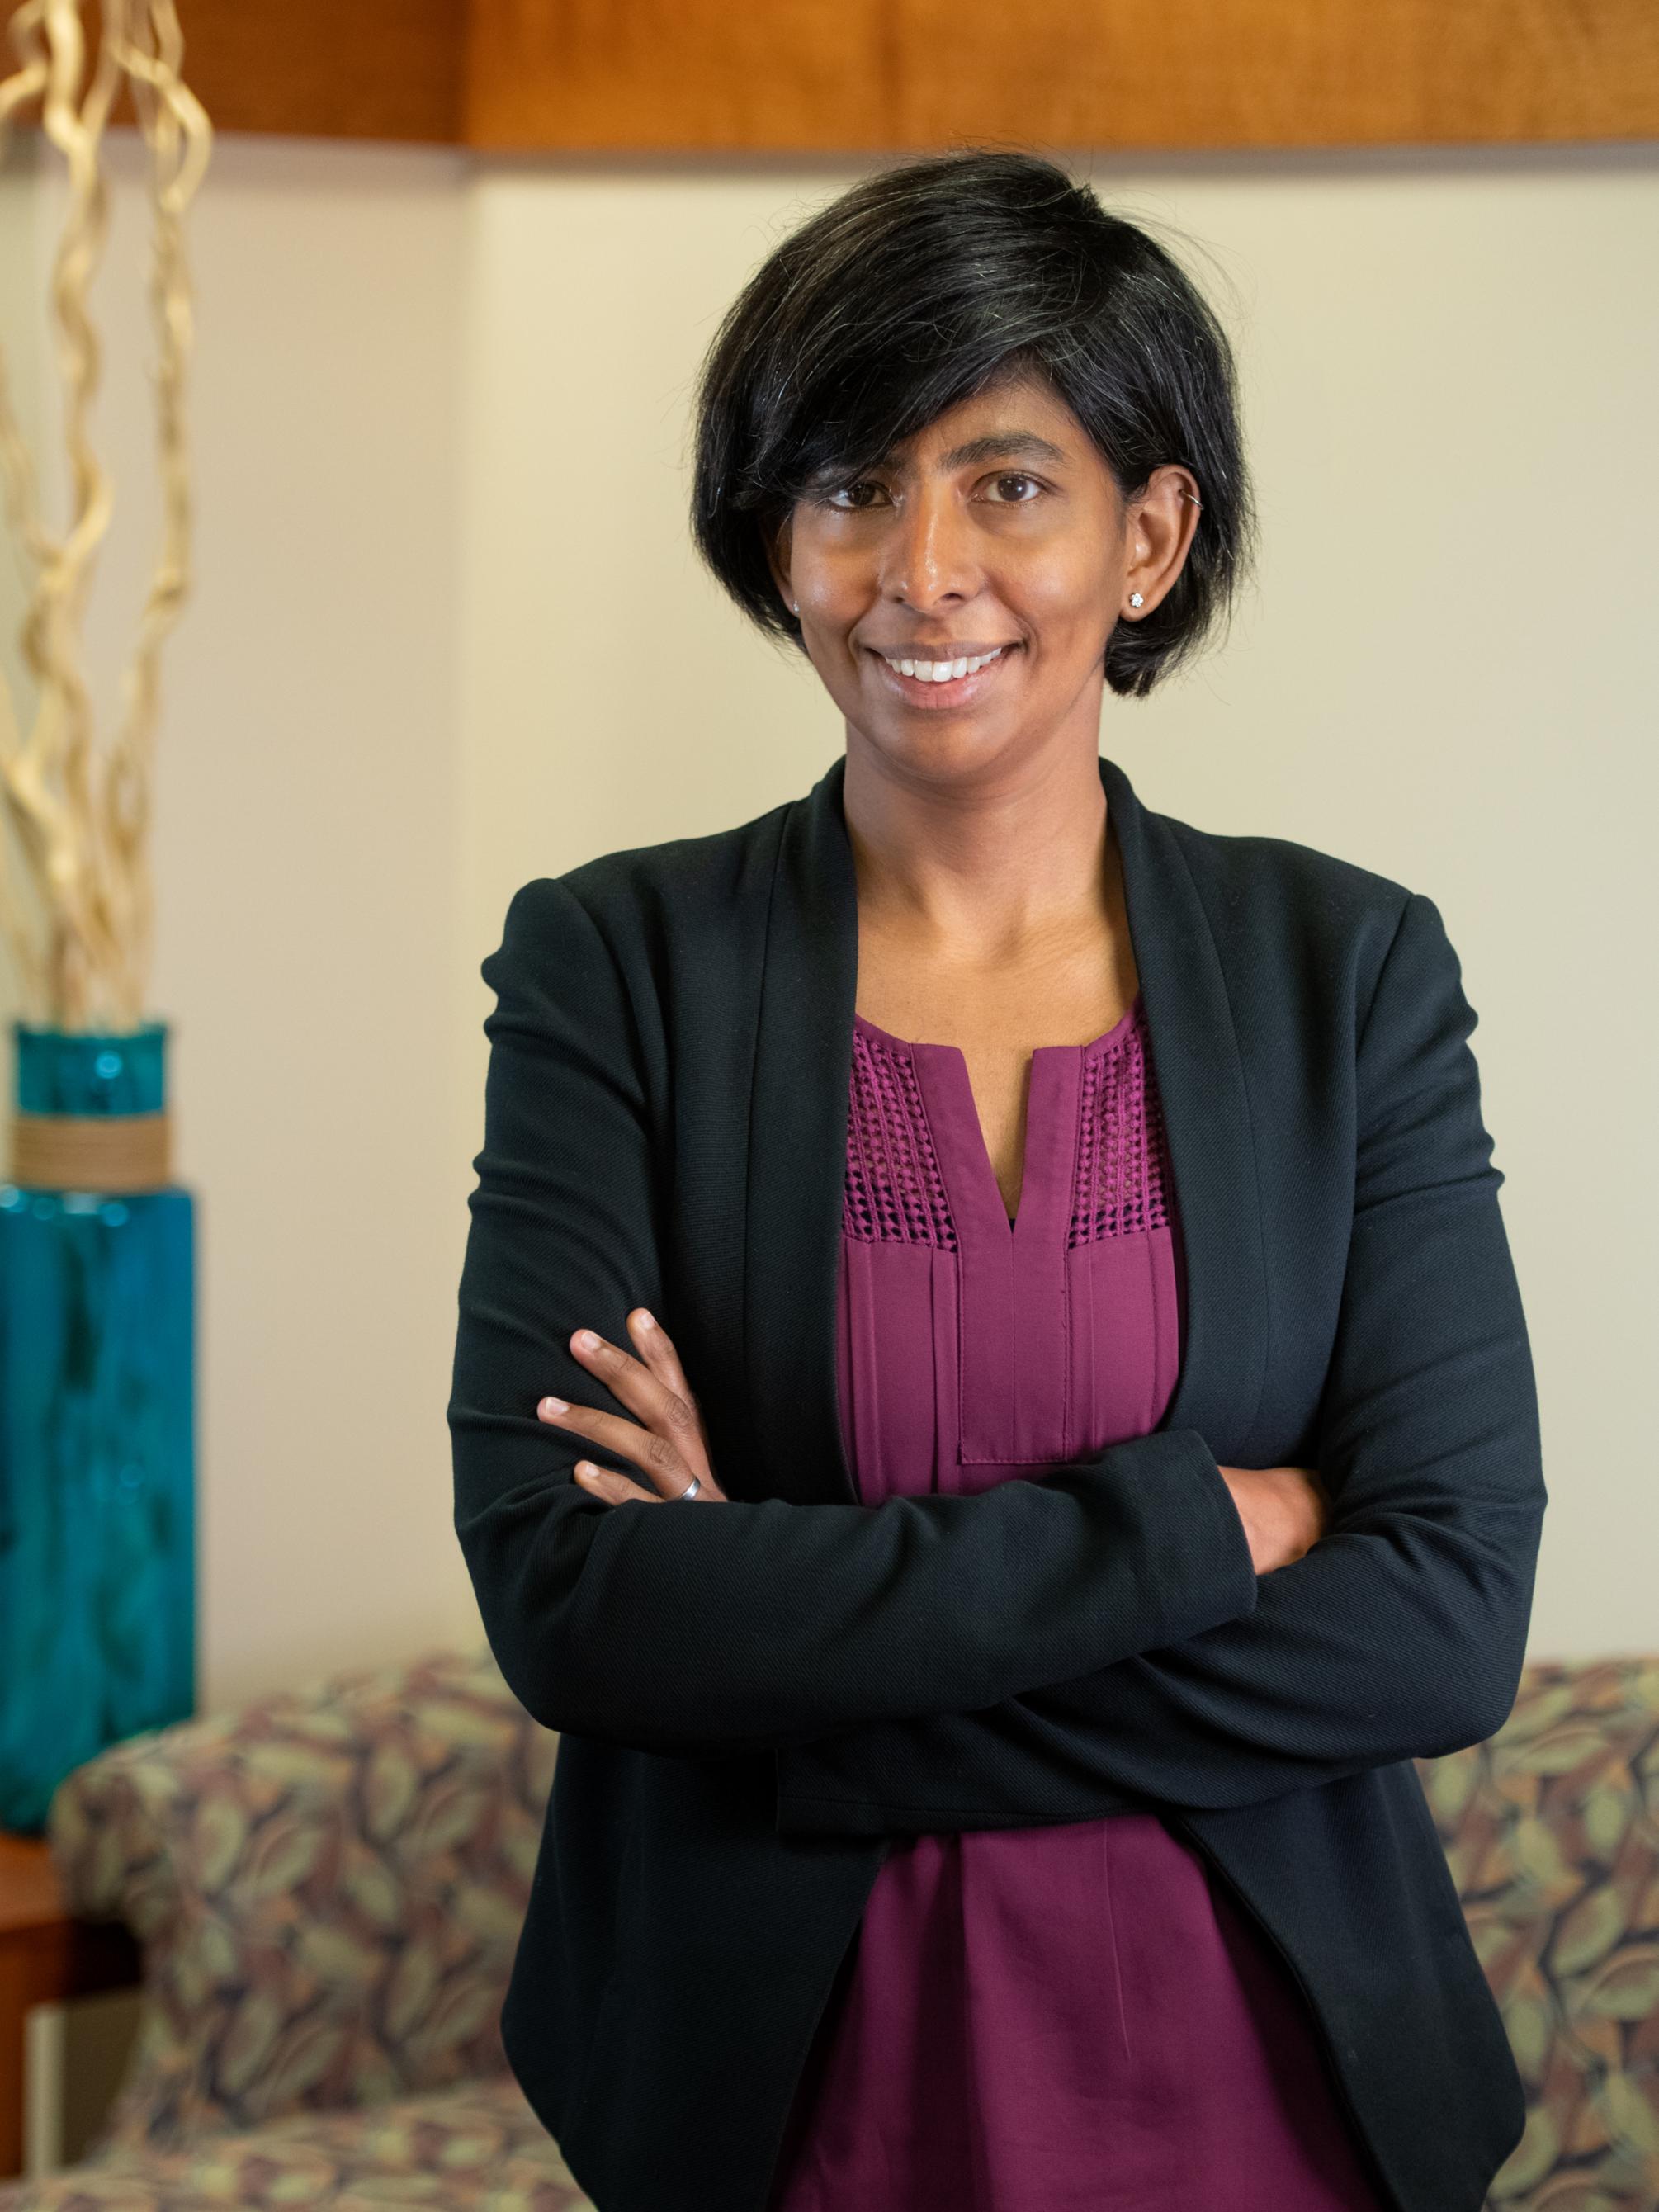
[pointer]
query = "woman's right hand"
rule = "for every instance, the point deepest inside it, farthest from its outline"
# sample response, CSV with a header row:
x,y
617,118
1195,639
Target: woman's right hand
x,y
1284,1510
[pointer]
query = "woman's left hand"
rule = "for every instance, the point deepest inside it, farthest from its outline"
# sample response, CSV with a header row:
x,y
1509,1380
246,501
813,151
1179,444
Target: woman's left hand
x,y
668,1444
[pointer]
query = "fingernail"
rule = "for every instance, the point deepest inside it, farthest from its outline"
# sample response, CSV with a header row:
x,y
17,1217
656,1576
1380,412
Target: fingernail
x,y
646,1320
554,1405
584,1340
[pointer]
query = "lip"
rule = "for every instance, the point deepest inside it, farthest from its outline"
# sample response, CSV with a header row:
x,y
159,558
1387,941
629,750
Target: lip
x,y
960,691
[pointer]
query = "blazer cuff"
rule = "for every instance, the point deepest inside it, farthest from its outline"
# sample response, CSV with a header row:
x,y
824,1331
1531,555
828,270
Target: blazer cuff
x,y
1198,1549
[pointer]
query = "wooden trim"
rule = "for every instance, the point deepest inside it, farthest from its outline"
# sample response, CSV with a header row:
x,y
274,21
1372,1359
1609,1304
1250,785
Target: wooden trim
x,y
313,68
45,1957
870,75
874,77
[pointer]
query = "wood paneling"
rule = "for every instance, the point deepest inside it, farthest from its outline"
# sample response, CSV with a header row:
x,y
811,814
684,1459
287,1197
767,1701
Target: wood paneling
x,y
307,68
373,69
875,76
633,74
690,74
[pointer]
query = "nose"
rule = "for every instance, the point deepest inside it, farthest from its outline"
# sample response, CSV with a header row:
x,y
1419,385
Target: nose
x,y
929,555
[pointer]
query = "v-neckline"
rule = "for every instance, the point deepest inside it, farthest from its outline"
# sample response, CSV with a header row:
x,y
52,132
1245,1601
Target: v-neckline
x,y
798,969
943,1069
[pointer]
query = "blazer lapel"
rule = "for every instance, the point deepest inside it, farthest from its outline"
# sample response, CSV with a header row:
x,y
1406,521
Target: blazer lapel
x,y
1199,1072
798,1151
797,1148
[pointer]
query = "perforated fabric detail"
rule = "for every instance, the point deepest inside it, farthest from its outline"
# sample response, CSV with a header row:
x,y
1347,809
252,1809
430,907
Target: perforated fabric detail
x,y
1121,1153
894,1193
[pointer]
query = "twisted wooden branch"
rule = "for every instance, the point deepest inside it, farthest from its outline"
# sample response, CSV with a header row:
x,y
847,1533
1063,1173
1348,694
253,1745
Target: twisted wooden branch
x,y
80,821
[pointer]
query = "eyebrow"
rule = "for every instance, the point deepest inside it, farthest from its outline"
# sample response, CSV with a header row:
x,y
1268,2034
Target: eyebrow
x,y
993,445
1003,445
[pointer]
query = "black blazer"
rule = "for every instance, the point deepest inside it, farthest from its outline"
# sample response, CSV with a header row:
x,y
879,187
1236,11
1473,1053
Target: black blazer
x,y
754,1700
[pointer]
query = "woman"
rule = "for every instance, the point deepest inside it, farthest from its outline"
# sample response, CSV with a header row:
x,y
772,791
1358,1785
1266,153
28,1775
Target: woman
x,y
1090,1217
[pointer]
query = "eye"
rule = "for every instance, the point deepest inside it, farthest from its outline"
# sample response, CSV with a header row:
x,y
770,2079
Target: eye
x,y
1033,482
841,496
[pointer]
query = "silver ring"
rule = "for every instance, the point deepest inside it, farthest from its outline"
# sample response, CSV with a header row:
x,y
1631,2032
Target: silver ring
x,y
696,1484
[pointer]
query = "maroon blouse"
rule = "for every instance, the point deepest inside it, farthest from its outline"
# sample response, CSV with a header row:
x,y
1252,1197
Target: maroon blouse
x,y
1072,2018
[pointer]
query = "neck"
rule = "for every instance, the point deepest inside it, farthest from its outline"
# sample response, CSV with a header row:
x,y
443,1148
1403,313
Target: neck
x,y
985,860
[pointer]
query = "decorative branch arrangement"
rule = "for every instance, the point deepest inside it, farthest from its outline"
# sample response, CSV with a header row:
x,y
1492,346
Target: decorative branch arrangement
x,y
79,819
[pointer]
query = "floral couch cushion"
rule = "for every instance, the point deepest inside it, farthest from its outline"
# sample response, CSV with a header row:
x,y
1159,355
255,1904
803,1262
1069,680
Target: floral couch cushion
x,y
328,1885
479,2148
1552,1831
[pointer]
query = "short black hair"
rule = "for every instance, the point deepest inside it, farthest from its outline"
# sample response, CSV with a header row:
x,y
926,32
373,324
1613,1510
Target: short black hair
x,y
928,281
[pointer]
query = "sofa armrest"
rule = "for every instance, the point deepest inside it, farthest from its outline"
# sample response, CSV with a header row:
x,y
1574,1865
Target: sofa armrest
x,y
328,1884
1549,1830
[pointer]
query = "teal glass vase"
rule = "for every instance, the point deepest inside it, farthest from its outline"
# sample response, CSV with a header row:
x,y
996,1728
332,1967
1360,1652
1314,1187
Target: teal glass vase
x,y
97,1411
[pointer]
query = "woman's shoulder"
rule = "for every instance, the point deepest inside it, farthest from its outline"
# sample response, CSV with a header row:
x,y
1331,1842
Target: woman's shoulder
x,y
1264,893
1250,864
1298,929
678,884
1251,883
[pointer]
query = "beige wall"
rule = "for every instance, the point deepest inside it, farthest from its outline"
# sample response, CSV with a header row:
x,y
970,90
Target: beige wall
x,y
439,420
1448,672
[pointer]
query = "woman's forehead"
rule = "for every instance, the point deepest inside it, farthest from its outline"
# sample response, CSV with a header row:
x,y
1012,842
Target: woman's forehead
x,y
1016,419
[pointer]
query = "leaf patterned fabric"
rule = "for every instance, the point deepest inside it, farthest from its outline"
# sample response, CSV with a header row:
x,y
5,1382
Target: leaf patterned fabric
x,y
475,2149
1552,1833
328,1884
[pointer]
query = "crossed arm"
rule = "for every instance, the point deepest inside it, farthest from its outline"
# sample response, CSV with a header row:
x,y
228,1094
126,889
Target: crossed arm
x,y
1401,1633
1047,1650
761,1624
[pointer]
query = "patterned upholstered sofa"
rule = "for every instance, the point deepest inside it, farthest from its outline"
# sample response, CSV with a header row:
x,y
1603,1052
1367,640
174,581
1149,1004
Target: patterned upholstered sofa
x,y
1551,1830
328,1887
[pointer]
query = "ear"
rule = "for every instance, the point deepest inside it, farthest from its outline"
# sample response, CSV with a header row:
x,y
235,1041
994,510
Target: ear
x,y
778,545
1158,529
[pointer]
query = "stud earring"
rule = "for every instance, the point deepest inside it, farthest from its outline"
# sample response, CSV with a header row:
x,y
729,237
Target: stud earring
x,y
1135,599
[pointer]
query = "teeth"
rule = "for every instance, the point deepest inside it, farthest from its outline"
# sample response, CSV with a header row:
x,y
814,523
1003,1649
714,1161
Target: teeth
x,y
940,671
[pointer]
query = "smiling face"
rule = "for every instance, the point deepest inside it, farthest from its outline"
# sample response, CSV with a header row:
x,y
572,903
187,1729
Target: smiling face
x,y
998,531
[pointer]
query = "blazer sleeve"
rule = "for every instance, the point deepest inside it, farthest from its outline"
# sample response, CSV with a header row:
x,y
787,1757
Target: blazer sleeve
x,y
1402,1632
751,1624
